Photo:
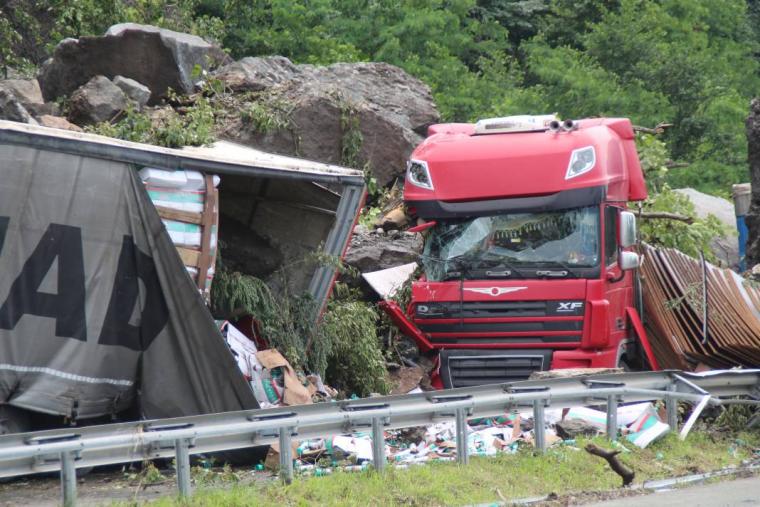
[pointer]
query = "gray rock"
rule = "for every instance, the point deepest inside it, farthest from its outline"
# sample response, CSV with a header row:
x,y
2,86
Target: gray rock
x,y
753,154
390,108
372,252
257,73
158,58
97,101
27,91
11,109
726,249
137,92
57,122
572,428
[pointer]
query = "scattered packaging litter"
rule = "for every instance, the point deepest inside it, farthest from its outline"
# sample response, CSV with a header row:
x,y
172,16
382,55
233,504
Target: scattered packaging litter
x,y
487,436
273,381
647,428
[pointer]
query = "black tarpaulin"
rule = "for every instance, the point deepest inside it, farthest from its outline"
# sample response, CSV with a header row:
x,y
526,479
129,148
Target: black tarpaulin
x,y
97,312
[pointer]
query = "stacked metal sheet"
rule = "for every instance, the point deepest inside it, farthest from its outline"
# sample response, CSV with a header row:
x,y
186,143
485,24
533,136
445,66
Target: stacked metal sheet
x,y
697,313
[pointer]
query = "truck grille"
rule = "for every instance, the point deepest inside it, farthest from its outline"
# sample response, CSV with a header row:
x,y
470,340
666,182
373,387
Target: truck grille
x,y
501,322
464,368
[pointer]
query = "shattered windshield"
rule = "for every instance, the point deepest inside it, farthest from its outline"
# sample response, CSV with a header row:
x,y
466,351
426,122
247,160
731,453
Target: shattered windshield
x,y
510,245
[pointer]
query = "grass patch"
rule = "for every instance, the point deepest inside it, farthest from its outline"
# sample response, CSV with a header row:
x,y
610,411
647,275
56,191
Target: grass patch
x,y
561,470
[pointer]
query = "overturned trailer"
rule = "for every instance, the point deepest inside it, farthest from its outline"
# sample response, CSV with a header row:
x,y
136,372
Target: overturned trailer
x,y
98,316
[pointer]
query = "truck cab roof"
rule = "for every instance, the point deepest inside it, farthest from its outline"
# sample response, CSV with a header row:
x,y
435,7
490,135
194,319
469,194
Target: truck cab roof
x,y
459,163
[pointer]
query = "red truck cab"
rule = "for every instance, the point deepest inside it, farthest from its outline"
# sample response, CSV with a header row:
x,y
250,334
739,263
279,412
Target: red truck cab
x,y
527,263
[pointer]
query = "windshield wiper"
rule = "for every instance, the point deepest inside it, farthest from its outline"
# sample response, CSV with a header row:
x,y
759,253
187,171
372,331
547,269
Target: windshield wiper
x,y
549,273
507,271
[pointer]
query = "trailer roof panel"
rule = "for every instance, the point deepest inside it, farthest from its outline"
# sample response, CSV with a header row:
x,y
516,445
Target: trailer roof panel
x,y
222,157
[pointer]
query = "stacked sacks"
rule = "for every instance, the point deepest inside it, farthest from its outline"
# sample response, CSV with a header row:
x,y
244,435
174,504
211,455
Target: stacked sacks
x,y
188,204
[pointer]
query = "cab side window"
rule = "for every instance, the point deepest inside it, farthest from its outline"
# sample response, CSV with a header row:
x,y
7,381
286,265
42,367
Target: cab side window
x,y
611,234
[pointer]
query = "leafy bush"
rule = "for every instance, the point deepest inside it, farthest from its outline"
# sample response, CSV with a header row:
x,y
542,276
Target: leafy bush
x,y
171,129
691,239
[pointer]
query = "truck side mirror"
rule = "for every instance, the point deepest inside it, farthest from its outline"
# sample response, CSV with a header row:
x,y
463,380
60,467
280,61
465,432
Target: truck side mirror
x,y
628,260
627,229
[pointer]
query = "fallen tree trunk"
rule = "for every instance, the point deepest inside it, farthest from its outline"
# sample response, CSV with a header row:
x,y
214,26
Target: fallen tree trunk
x,y
611,456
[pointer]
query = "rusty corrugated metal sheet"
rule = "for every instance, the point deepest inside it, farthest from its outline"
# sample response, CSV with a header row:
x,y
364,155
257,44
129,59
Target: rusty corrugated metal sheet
x,y
675,312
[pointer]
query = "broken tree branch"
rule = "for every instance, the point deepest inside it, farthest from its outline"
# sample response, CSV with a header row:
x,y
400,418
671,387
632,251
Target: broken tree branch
x,y
666,216
658,129
611,456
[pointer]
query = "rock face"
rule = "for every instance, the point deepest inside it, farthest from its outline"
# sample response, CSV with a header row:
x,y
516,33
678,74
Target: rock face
x,y
136,92
372,250
254,74
753,154
97,101
725,249
345,113
155,57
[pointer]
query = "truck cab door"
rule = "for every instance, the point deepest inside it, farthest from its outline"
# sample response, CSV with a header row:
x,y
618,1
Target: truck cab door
x,y
617,282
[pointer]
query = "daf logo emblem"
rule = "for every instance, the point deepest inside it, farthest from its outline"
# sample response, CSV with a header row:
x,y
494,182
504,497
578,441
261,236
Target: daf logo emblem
x,y
494,291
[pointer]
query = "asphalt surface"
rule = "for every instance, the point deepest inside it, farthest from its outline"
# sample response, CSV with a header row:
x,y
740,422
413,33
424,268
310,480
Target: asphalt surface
x,y
740,492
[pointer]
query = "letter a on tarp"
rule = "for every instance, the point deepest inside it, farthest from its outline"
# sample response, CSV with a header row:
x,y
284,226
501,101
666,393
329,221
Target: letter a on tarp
x,y
97,313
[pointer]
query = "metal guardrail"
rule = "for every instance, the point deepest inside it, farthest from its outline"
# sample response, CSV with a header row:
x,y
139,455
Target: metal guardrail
x,y
79,447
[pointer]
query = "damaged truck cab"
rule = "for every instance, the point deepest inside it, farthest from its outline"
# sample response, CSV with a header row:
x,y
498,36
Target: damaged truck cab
x,y
527,263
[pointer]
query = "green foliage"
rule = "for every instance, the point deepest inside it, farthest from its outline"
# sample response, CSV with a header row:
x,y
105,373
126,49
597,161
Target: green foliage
x,y
692,238
356,362
351,142
264,117
343,347
194,127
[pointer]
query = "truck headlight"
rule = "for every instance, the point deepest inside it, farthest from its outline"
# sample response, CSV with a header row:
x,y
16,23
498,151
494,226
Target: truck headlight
x,y
582,161
418,174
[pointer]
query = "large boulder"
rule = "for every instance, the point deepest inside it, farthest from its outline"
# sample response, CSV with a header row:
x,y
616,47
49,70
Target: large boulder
x,y
346,113
726,249
158,58
753,154
97,101
375,250
254,74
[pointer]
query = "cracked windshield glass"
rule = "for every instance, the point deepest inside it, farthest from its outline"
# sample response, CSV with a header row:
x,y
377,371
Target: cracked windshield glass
x,y
500,245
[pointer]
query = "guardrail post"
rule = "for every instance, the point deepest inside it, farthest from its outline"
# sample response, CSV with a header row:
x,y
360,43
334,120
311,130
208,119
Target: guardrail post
x,y
378,444
286,455
671,406
68,479
539,430
612,406
461,428
182,458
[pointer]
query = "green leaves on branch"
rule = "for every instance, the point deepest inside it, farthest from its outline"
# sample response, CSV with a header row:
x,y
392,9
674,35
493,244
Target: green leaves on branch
x,y
692,239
